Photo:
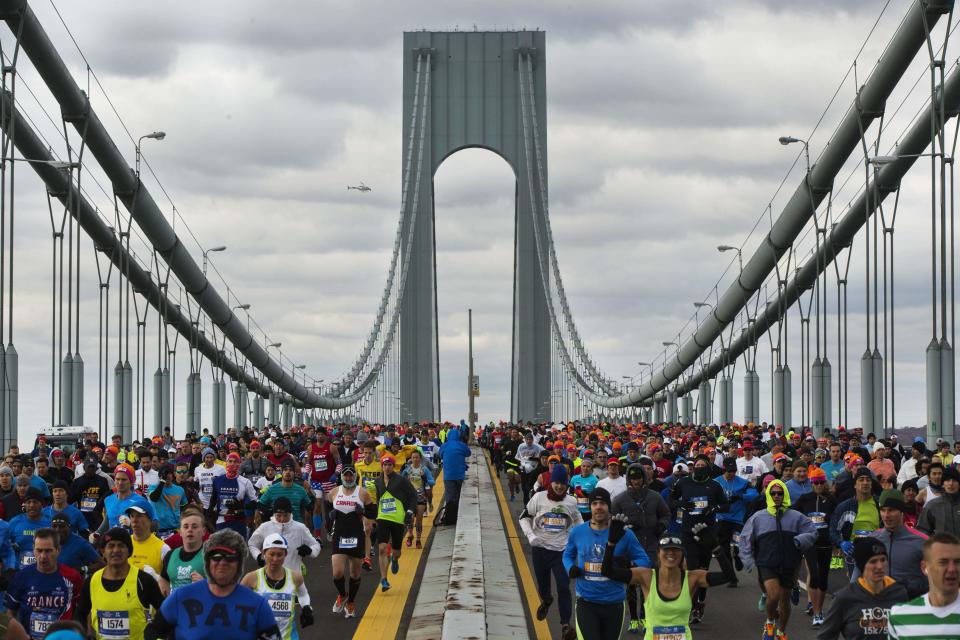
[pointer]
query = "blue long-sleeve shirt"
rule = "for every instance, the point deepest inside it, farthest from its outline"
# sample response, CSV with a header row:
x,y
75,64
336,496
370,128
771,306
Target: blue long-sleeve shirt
x,y
7,556
740,493
585,548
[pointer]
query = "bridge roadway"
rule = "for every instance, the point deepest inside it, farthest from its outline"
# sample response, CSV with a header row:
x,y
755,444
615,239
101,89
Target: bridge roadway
x,y
421,595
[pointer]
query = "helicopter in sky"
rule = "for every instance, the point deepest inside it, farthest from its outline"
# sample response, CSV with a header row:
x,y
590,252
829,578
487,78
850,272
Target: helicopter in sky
x,y
360,187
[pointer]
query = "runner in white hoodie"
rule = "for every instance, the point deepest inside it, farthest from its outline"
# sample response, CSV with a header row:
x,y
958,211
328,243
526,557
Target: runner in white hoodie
x,y
300,540
547,520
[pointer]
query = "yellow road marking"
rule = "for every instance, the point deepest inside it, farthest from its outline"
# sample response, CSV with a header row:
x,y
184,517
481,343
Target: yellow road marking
x,y
526,578
383,614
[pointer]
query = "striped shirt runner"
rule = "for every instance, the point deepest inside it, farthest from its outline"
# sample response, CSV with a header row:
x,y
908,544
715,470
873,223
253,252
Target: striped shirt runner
x,y
918,620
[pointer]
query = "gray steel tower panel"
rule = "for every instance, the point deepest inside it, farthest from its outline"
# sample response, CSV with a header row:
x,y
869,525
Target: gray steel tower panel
x,y
474,102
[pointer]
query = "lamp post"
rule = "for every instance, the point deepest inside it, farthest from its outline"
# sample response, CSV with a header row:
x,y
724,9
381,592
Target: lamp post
x,y
156,135
785,140
723,248
213,250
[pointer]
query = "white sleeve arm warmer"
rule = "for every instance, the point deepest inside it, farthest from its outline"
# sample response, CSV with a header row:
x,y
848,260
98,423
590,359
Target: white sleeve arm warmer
x,y
303,596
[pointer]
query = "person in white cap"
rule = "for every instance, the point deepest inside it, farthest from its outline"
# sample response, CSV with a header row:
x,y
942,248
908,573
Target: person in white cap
x,y
281,587
297,535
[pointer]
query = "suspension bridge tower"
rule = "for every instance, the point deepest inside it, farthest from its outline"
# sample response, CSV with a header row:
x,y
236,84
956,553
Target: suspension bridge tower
x,y
482,89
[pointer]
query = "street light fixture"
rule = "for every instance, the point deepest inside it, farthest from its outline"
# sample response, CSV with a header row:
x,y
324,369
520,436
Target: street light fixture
x,y
211,250
156,135
723,248
701,305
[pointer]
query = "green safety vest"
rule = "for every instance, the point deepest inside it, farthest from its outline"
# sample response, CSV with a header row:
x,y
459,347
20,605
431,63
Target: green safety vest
x,y
390,509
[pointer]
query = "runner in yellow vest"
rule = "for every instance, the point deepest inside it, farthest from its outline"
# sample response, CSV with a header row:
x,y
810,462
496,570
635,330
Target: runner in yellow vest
x,y
114,601
148,550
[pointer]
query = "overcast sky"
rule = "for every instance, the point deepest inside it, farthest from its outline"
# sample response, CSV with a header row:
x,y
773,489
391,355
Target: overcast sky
x,y
662,132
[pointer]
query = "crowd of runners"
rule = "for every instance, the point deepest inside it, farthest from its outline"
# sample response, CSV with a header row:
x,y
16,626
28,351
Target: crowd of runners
x,y
149,539
637,514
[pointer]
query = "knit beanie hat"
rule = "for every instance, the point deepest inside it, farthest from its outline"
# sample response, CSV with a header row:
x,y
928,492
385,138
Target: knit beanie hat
x,y
866,548
892,499
559,474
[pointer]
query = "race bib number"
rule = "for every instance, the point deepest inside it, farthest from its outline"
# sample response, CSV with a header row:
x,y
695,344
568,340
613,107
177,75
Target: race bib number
x,y
669,633
554,523
27,558
348,543
388,505
320,464
281,604
700,505
40,622
860,533
88,504
819,519
591,571
114,624
583,503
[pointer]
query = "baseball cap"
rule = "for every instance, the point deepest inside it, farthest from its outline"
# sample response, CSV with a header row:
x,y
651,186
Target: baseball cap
x,y
275,541
670,542
136,509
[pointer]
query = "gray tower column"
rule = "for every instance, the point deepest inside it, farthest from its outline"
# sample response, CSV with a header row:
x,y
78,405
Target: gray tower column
x,y
671,406
257,411
821,396
165,398
77,383
127,402
778,399
237,406
871,392
725,392
215,408
189,388
274,409
751,397
658,411
474,101
66,390
118,399
787,397
686,409
704,404
941,410
222,427
157,402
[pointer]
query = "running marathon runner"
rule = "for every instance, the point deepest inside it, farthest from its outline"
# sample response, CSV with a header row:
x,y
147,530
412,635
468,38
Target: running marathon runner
x,y
283,588
351,506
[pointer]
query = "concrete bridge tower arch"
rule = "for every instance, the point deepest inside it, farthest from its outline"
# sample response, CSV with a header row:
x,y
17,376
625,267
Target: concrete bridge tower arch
x,y
474,101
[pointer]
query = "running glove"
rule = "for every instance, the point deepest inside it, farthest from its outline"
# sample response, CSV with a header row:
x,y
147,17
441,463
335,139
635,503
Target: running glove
x,y
618,527
696,529
306,616
575,572
847,547
304,550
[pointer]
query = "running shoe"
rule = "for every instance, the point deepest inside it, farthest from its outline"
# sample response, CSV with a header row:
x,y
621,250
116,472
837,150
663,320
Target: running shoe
x,y
349,610
769,631
795,595
384,585
338,605
568,633
419,544
394,565
781,635
809,610
512,497
544,608
634,627
763,602
817,620
367,565
409,541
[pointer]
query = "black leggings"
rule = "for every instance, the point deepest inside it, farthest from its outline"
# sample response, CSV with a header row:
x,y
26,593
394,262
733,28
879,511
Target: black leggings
x,y
818,563
597,621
